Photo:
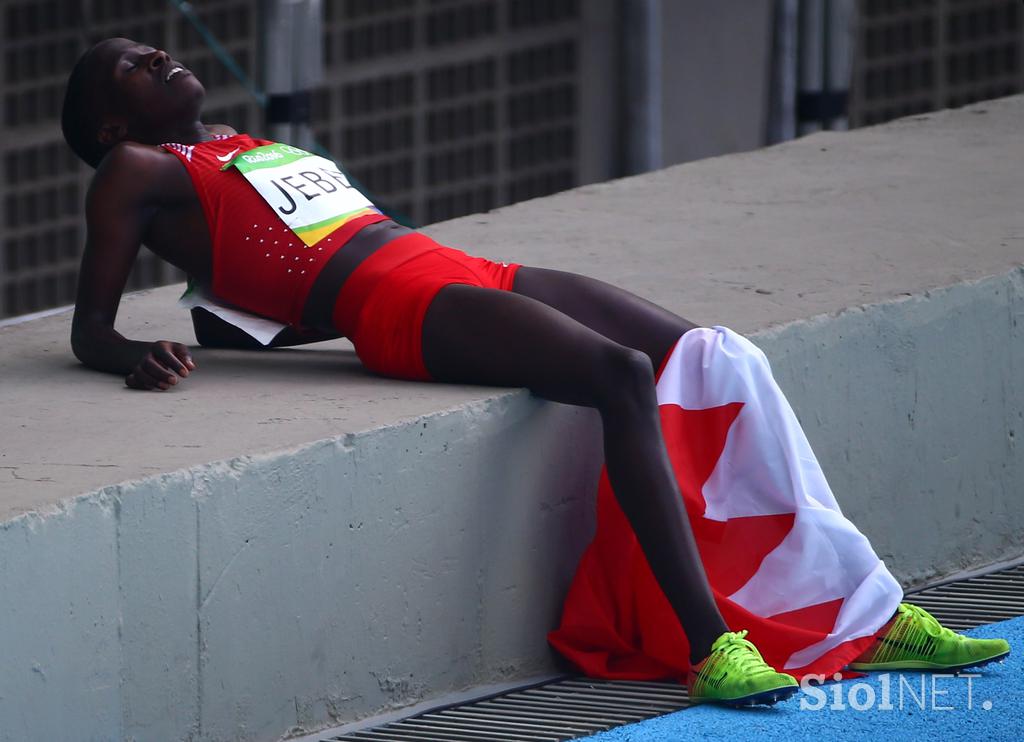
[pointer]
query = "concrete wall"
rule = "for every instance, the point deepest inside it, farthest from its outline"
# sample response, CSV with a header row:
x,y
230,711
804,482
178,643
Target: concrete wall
x,y
289,591
283,592
915,409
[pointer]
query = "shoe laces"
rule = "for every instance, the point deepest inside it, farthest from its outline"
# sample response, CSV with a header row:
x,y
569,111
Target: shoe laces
x,y
735,647
926,621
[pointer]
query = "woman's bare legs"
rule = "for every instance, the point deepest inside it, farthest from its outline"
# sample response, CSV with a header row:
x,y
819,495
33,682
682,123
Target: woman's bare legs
x,y
484,336
614,312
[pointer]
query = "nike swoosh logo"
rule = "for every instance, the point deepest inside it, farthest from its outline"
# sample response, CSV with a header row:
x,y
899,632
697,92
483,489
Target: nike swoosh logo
x,y
229,155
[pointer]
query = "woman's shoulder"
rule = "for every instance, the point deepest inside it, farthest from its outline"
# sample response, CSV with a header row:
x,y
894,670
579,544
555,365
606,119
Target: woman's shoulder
x,y
133,159
221,129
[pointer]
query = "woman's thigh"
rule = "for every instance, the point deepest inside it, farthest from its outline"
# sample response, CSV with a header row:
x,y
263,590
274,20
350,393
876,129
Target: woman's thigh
x,y
609,310
475,335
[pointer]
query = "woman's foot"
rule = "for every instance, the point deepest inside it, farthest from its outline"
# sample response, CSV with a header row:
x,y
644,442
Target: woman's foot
x,y
915,640
735,674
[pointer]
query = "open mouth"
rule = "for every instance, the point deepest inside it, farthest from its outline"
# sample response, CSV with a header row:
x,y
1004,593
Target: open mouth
x,y
174,73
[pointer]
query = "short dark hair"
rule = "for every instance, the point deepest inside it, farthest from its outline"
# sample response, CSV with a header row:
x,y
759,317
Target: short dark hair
x,y
78,118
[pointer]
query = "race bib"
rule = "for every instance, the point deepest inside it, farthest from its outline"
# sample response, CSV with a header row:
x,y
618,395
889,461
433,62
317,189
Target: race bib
x,y
309,193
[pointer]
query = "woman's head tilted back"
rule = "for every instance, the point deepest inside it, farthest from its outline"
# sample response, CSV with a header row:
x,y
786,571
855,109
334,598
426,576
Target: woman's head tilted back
x,y
123,90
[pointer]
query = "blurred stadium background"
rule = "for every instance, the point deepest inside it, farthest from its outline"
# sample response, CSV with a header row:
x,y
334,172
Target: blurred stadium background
x,y
442,108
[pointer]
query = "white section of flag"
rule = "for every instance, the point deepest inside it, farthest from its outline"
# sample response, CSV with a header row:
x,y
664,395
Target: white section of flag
x,y
768,468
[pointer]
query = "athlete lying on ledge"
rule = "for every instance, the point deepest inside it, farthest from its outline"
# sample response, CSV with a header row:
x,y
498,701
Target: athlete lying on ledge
x,y
262,230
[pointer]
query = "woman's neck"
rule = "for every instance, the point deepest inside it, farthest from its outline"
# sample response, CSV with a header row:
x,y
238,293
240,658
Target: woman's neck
x,y
192,133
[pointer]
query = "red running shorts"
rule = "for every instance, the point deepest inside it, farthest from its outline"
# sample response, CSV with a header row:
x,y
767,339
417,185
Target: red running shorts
x,y
381,305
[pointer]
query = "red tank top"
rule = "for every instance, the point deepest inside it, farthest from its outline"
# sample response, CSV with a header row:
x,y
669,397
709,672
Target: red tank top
x,y
259,265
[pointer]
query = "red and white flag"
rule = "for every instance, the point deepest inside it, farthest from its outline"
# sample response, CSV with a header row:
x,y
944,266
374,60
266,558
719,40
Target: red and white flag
x,y
783,561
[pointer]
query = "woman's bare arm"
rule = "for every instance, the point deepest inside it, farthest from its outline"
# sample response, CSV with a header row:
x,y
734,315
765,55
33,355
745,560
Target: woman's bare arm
x,y
125,192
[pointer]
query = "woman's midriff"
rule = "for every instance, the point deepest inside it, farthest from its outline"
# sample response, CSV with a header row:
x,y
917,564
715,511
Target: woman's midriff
x,y
317,313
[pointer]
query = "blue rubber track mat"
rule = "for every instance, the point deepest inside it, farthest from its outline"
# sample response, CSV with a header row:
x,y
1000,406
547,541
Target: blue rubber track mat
x,y
985,703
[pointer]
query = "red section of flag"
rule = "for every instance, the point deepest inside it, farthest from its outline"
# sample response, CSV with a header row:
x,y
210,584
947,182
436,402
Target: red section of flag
x,y
731,550
616,622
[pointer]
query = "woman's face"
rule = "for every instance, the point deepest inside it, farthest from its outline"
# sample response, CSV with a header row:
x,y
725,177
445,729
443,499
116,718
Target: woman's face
x,y
145,89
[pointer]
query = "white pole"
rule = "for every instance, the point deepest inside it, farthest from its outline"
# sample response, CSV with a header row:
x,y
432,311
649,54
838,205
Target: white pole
x,y
810,78
842,28
782,121
642,75
293,64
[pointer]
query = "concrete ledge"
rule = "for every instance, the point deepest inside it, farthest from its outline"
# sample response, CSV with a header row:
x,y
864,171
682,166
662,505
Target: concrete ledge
x,y
311,585
285,542
915,409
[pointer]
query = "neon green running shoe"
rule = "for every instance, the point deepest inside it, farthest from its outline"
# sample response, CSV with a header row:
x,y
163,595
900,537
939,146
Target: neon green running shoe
x,y
917,641
735,674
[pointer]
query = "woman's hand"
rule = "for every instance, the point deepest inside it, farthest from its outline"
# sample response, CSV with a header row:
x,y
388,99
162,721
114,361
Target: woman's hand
x,y
157,369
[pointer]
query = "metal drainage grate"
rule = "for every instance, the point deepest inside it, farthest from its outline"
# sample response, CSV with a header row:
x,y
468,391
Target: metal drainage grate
x,y
571,707
555,710
973,601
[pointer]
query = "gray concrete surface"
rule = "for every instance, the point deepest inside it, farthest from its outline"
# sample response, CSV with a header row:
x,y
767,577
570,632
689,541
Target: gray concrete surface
x,y
286,542
915,409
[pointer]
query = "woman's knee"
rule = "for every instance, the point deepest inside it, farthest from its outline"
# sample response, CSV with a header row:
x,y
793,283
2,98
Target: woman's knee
x,y
624,378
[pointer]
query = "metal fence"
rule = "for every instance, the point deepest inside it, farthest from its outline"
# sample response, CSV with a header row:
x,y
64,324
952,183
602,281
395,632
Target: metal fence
x,y
438,108
914,56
